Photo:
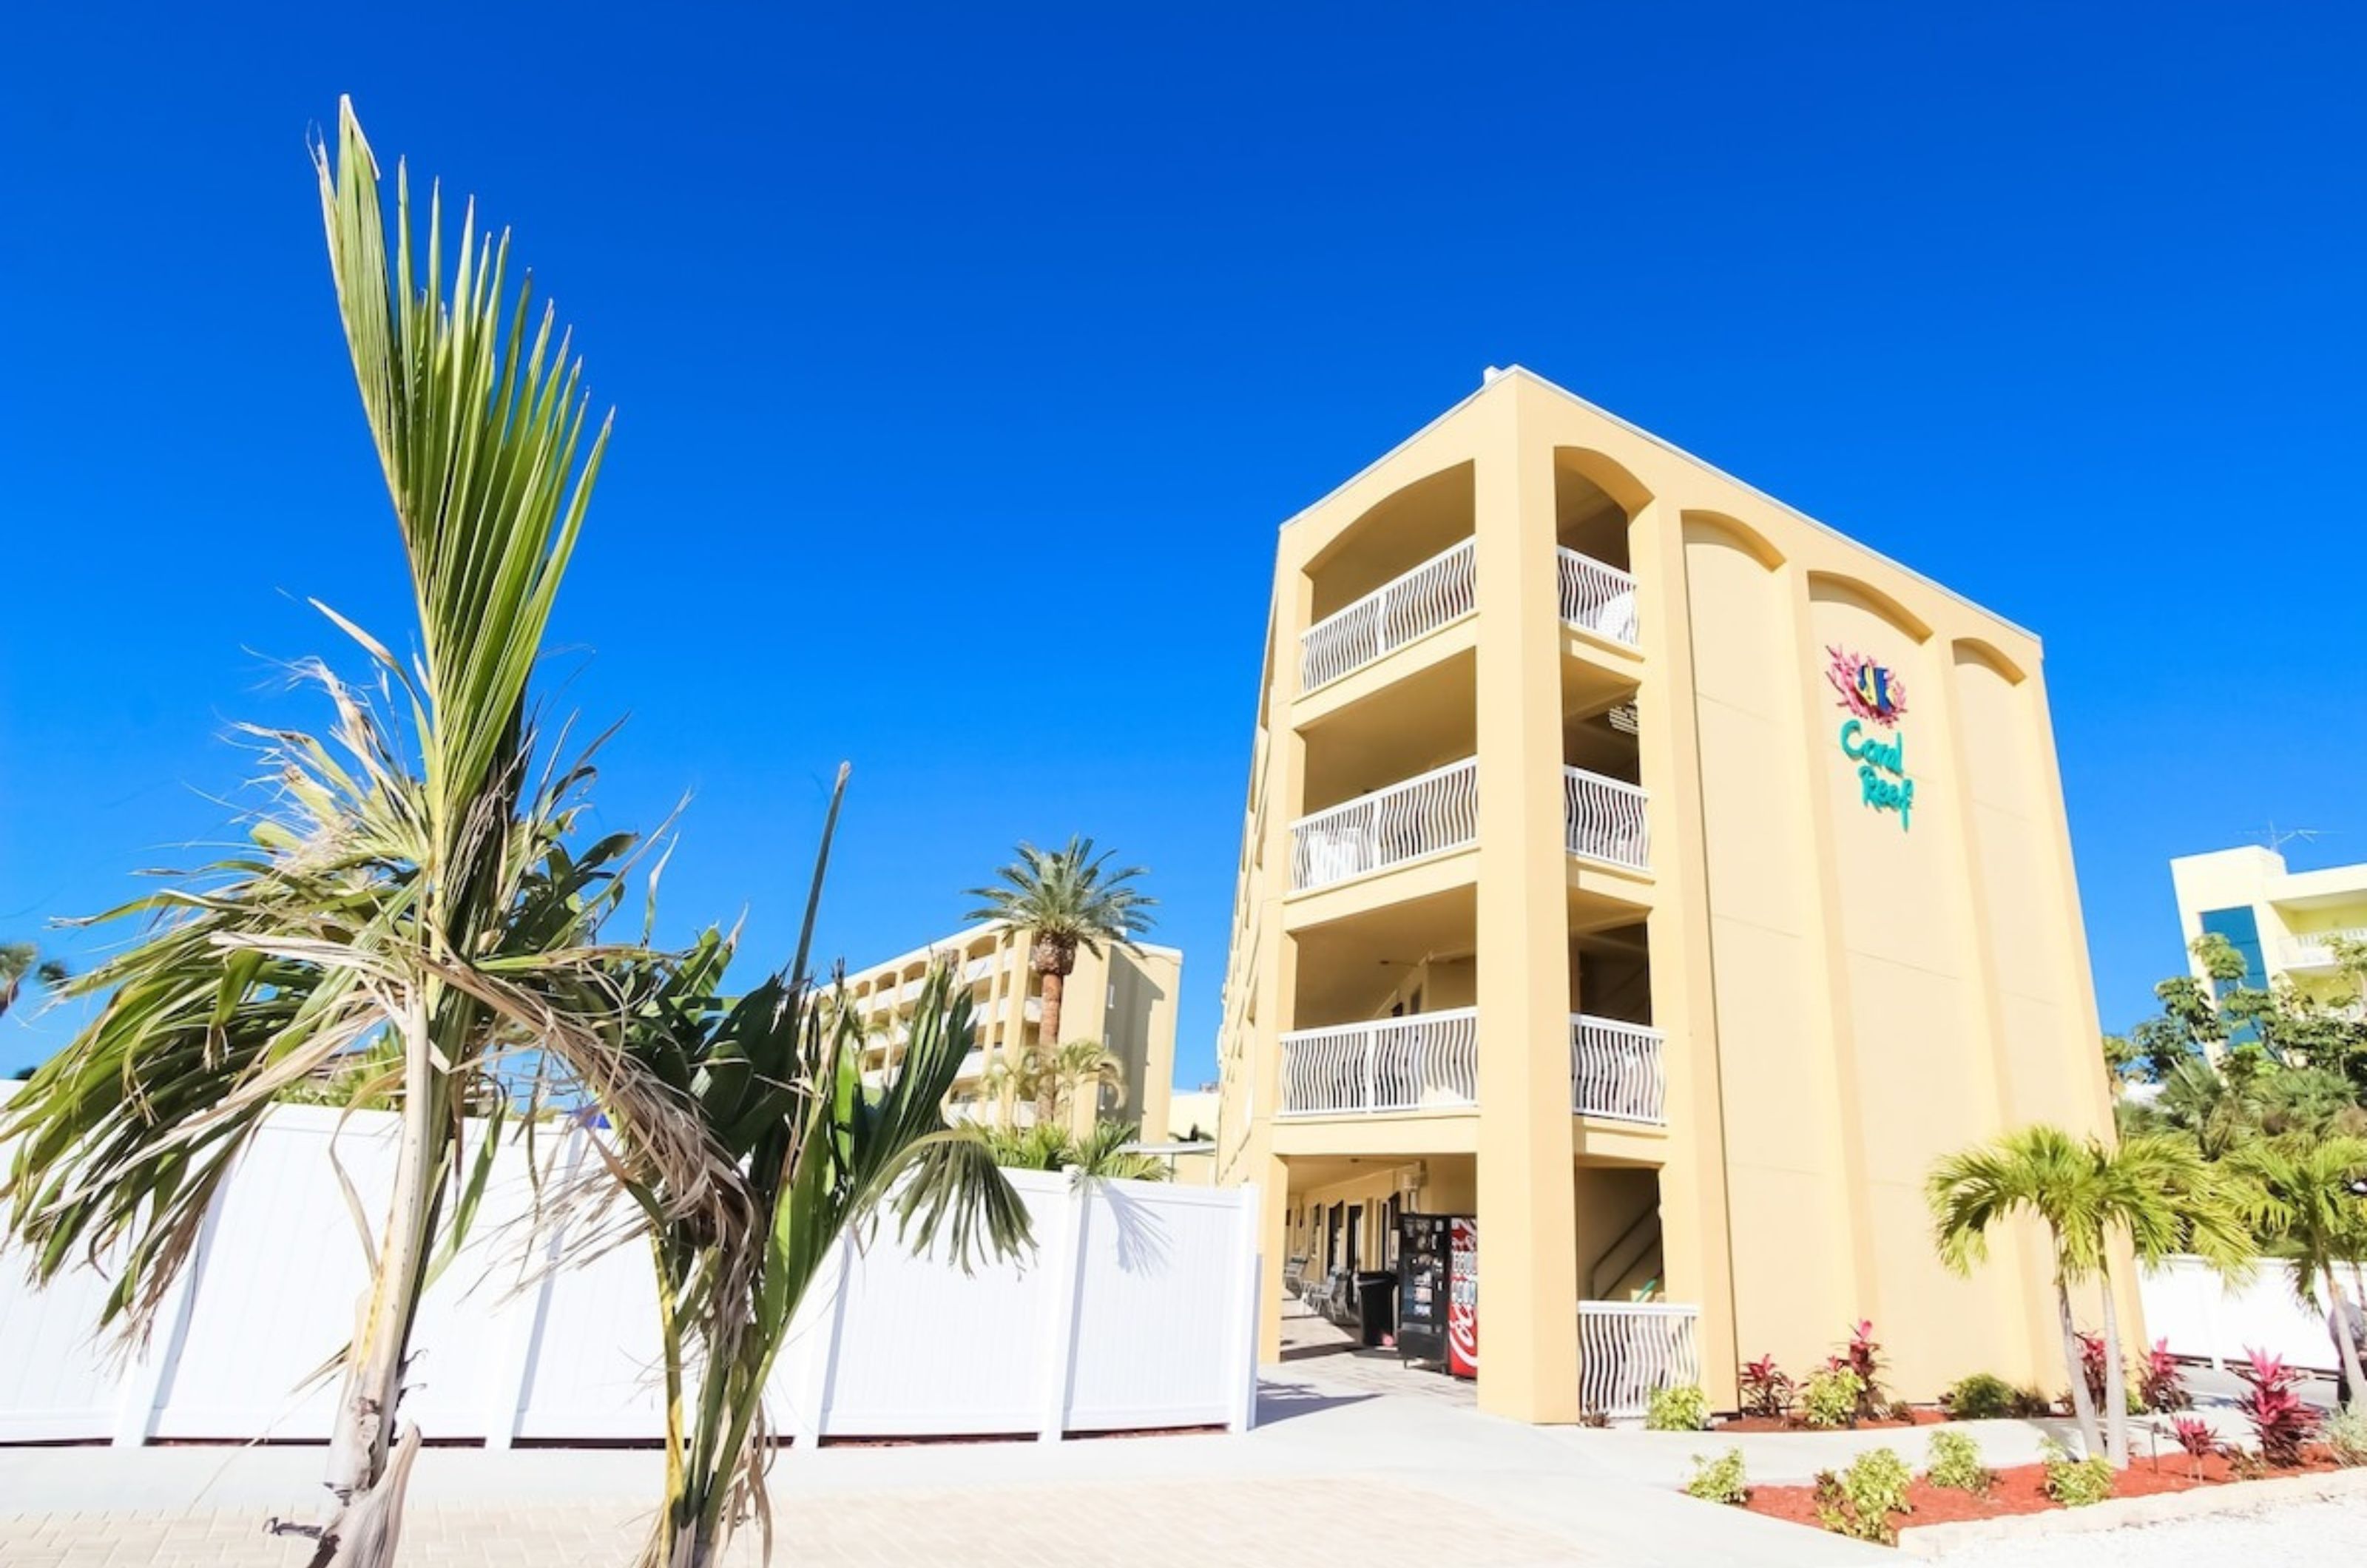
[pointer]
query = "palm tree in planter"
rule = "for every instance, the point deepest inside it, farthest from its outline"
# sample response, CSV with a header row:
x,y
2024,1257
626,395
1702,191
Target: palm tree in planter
x,y
414,885
2156,1189
1065,899
2304,1198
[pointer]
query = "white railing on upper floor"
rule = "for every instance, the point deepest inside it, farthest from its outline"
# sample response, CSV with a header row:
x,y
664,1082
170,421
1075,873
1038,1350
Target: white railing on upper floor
x,y
1598,597
1432,811
1393,1063
1438,590
1616,1070
2315,950
1625,1349
1606,820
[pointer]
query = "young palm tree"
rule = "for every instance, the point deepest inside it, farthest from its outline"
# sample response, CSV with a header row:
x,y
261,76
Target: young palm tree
x,y
2154,1188
2304,1194
1065,899
19,959
1103,1153
1080,1067
776,1078
1019,1079
411,887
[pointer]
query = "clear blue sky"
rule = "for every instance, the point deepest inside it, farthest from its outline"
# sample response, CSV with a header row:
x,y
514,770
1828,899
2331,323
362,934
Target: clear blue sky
x,y
967,359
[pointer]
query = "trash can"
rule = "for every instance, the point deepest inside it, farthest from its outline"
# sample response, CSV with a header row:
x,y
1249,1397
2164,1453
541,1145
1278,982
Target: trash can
x,y
1377,1308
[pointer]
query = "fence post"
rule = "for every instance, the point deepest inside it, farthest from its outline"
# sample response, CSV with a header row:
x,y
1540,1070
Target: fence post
x,y
1064,1276
144,1379
1241,1348
812,1349
518,1323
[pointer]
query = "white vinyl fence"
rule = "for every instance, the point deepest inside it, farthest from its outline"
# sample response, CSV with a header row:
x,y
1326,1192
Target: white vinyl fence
x,y
2206,1320
1136,1311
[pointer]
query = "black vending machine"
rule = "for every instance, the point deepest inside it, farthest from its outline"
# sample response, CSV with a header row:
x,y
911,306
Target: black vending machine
x,y
1424,1260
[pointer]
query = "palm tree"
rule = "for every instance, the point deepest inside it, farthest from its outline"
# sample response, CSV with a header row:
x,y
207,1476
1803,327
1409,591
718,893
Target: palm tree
x,y
1080,1065
1019,1077
412,883
1065,899
19,959
776,1078
2156,1189
1107,1152
2304,1194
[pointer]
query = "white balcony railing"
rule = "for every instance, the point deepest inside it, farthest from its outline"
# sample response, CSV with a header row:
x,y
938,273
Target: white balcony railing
x,y
1598,597
1625,1349
1616,1070
1428,597
1394,1063
1606,820
2315,950
1432,811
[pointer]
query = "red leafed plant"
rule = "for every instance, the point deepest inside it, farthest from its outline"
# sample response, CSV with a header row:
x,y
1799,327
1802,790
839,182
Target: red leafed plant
x,y
2272,1404
1863,1355
2195,1436
2160,1384
1766,1390
2091,1367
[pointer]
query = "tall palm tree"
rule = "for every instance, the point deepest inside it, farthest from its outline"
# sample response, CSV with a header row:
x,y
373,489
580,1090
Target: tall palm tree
x,y
19,959
412,881
2154,1189
2304,1194
1065,899
776,1078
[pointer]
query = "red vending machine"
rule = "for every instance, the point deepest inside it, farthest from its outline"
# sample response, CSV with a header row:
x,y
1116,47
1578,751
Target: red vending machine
x,y
1463,1296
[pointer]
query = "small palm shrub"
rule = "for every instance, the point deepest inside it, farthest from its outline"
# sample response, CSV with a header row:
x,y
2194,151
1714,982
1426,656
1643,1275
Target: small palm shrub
x,y
1830,1397
1719,1480
2076,1482
2160,1385
1955,1462
2344,1433
1858,1501
1684,1408
1765,1389
2271,1402
2194,1435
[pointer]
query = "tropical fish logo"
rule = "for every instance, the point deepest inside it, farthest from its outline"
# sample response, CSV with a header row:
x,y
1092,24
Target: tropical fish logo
x,y
1867,689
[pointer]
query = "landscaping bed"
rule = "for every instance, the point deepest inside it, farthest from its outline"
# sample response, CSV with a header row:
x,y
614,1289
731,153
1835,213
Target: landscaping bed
x,y
1920,1416
2022,1489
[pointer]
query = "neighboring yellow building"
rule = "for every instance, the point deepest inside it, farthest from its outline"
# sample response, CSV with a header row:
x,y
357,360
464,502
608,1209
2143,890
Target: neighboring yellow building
x,y
1648,870
1126,1000
2283,922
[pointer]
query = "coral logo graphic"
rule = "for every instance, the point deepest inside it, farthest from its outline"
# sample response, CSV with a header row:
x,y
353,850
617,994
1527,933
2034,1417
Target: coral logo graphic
x,y
1867,689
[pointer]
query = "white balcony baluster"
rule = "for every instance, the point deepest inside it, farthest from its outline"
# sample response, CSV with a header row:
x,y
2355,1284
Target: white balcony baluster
x,y
1432,811
1605,818
1598,597
1625,1349
1428,597
1392,1064
2315,950
1616,1070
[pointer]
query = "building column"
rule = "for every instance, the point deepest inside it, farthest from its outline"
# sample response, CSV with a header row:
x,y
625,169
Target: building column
x,y
1528,1261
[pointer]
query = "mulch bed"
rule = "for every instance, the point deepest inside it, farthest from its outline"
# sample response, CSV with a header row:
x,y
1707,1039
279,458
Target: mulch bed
x,y
2022,1490
1925,1415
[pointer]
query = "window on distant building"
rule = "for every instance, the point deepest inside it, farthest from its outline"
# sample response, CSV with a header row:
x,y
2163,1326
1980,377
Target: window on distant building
x,y
2242,930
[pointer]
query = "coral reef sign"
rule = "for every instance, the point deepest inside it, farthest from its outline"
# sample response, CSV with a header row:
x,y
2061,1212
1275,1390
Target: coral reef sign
x,y
1870,736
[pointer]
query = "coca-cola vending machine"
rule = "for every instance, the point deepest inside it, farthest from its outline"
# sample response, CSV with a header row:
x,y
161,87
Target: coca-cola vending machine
x,y
1463,1297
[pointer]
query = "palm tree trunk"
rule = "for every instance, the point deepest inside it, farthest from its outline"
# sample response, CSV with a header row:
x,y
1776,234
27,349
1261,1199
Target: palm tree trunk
x,y
2344,1345
1055,982
2117,1389
370,1493
2082,1408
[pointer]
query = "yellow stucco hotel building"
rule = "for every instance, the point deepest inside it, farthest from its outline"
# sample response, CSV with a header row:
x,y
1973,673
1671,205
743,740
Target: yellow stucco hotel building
x,y
1645,870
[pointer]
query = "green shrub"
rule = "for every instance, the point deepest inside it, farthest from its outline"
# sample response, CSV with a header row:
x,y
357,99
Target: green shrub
x,y
1684,1408
2076,1482
1955,1462
1980,1397
1719,1480
1829,1397
2344,1433
1857,1503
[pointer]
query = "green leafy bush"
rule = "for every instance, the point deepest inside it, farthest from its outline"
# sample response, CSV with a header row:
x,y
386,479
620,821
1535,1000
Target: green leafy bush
x,y
1857,1503
1829,1397
2344,1433
2076,1482
1719,1480
1684,1408
1955,1462
1980,1397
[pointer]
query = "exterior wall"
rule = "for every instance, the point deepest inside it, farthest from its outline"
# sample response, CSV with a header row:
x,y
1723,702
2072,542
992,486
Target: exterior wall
x,y
1127,1000
2288,909
1845,990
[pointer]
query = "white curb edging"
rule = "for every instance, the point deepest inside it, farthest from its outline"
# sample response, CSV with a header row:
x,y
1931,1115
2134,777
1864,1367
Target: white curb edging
x,y
2235,1497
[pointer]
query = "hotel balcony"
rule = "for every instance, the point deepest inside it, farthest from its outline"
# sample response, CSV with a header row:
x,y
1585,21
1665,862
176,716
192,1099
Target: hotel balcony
x,y
1597,597
2315,950
1431,1061
1603,819
1606,820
